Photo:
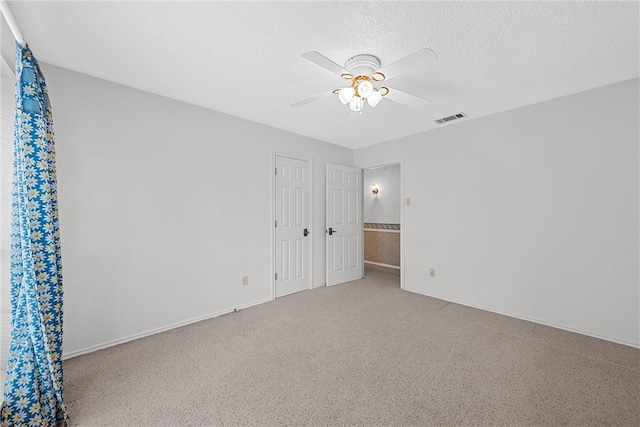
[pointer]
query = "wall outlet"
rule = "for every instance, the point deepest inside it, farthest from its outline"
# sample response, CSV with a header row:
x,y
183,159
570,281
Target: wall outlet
x,y
245,280
408,201
432,272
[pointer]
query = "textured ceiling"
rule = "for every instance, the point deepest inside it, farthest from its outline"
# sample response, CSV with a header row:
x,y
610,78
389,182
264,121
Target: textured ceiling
x,y
244,58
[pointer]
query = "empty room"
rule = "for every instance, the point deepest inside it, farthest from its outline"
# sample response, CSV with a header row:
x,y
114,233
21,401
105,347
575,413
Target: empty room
x,y
320,213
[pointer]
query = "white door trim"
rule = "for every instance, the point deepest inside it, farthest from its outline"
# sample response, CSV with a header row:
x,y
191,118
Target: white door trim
x,y
402,209
312,231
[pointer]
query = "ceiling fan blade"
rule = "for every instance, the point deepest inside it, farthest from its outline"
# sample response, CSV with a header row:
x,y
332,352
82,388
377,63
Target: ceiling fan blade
x,y
312,99
418,59
324,62
407,99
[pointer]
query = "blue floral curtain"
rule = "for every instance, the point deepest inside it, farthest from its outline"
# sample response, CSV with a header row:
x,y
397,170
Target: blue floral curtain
x,y
33,387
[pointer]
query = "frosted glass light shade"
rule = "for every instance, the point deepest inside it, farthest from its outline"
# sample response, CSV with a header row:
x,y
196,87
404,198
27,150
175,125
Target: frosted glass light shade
x,y
356,103
346,95
365,88
374,98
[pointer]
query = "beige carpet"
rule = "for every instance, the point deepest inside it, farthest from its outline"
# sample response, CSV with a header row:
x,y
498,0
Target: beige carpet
x,y
362,353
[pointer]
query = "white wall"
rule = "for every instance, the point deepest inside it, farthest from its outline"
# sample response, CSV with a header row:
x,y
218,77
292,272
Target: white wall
x,y
164,206
531,212
7,112
385,206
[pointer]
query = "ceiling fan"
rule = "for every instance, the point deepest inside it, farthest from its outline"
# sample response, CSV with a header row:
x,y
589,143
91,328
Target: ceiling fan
x,y
365,75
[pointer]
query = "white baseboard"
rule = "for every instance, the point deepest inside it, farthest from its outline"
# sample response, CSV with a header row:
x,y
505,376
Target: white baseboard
x,y
395,267
251,304
529,319
319,285
154,331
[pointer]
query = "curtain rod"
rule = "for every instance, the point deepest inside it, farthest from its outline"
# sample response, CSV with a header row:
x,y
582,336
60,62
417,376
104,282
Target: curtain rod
x,y
8,16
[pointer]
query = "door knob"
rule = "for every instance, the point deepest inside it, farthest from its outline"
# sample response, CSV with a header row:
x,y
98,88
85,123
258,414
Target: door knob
x,y
306,232
331,231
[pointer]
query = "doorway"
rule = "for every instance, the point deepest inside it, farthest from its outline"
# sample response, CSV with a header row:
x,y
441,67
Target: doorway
x,y
382,208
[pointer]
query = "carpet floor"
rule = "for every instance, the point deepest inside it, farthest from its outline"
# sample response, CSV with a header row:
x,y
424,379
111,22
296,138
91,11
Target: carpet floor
x,y
361,353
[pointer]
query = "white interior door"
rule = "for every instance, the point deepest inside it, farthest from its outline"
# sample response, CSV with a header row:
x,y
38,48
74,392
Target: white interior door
x,y
344,224
292,226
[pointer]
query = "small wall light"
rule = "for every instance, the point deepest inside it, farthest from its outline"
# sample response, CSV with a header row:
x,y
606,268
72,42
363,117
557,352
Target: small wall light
x,y
374,190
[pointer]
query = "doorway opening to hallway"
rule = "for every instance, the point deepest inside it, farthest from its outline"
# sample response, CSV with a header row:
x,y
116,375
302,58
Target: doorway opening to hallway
x,y
382,208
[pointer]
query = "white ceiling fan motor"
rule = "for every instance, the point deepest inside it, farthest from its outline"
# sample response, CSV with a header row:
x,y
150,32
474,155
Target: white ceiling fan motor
x,y
362,65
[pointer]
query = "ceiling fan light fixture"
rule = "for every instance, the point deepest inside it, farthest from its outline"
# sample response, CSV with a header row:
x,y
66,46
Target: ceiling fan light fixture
x,y
374,98
365,88
346,95
356,104
378,76
364,73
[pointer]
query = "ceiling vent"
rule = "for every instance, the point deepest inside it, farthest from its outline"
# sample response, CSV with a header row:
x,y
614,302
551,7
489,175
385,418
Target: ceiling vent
x,y
448,119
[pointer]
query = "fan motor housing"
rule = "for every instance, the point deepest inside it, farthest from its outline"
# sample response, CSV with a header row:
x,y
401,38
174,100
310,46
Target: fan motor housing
x,y
363,64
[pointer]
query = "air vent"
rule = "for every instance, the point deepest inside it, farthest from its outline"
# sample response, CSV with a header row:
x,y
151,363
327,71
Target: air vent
x,y
448,119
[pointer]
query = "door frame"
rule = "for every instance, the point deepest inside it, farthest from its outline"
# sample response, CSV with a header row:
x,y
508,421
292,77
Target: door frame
x,y
402,210
312,232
